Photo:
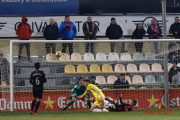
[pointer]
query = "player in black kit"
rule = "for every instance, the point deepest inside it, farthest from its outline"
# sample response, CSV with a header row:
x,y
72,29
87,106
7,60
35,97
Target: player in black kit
x,y
37,80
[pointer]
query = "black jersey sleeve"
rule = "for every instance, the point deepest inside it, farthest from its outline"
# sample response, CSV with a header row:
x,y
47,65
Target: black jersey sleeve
x,y
31,79
44,78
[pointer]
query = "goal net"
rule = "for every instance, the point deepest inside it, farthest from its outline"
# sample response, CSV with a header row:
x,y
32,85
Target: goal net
x,y
134,68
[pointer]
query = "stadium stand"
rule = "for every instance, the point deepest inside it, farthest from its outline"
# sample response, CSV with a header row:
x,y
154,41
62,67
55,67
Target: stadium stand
x,y
126,57
137,79
120,68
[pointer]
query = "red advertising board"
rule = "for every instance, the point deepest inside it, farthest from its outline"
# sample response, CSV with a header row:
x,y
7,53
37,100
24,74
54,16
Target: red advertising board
x,y
55,100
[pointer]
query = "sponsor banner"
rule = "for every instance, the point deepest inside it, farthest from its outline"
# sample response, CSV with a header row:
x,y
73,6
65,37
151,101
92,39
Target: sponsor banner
x,y
38,7
57,100
127,23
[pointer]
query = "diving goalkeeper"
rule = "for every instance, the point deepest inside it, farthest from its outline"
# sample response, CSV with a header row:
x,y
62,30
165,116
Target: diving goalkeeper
x,y
78,89
98,94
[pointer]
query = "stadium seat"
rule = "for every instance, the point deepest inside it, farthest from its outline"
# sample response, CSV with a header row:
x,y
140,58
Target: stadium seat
x,y
126,57
3,83
169,66
101,80
178,64
150,79
7,56
76,57
128,79
94,68
51,58
113,57
88,57
119,68
138,56
101,57
70,69
111,79
156,67
132,68
64,58
137,79
106,68
144,68
150,55
82,69
160,79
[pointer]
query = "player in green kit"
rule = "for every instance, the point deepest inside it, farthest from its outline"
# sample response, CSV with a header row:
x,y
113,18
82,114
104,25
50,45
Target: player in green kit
x,y
78,90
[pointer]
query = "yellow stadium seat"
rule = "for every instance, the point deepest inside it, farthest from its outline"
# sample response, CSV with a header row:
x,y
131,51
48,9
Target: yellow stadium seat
x,y
156,67
51,58
76,57
106,68
137,79
111,79
70,69
82,69
94,68
64,58
119,68
100,80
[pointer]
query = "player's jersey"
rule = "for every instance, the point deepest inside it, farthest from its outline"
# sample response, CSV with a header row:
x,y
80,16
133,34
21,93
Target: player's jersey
x,y
37,79
94,90
79,90
122,106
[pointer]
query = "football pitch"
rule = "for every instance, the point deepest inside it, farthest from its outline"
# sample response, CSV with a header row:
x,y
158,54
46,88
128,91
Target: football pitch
x,y
86,115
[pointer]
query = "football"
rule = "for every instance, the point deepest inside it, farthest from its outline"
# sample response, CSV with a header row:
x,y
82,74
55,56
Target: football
x,y
58,54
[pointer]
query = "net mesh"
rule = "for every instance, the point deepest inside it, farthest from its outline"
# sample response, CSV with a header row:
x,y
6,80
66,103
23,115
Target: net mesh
x,y
141,63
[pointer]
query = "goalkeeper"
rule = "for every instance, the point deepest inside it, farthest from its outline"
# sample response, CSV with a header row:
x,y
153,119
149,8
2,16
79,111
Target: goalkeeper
x,y
78,90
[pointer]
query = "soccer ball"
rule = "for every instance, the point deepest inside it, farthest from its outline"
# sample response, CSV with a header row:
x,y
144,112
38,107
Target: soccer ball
x,y
58,54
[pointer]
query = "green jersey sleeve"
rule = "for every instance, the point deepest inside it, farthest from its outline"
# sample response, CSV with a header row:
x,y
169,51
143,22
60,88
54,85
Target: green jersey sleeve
x,y
73,91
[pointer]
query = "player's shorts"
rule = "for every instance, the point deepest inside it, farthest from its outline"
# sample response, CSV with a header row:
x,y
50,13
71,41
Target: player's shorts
x,y
37,92
98,102
81,98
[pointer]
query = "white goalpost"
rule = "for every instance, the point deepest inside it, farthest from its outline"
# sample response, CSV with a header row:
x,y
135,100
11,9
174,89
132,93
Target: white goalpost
x,y
142,89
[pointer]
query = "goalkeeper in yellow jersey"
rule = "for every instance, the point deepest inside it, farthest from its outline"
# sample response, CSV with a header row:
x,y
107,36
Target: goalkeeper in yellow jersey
x,y
99,96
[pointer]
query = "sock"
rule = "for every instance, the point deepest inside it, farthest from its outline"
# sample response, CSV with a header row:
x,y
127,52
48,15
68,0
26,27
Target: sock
x,y
107,103
33,104
69,104
97,110
37,106
89,103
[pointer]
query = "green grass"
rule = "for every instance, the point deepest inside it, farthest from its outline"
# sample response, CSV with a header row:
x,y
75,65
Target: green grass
x,y
86,115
